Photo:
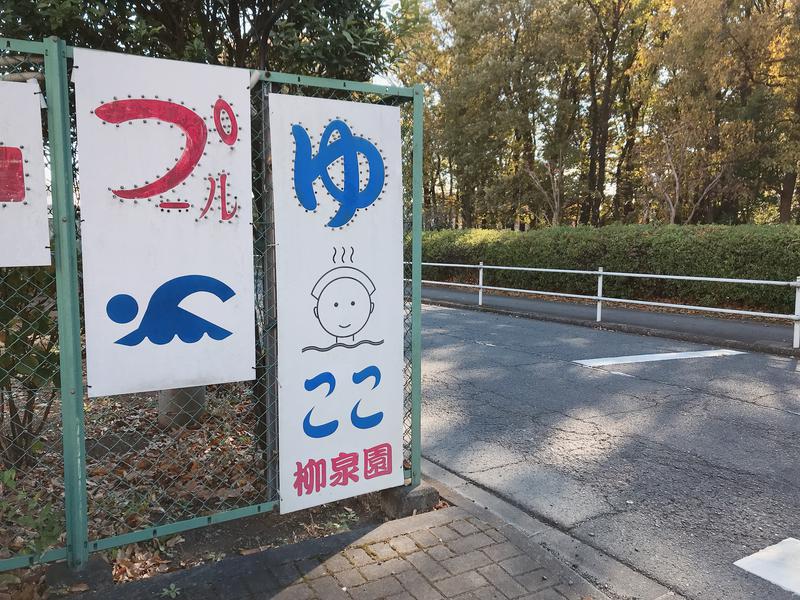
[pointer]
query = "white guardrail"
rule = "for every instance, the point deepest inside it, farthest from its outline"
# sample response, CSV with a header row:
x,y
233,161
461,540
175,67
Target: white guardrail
x,y
599,298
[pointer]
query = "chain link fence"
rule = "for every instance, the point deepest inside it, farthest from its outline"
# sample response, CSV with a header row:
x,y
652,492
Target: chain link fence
x,y
163,457
153,461
31,464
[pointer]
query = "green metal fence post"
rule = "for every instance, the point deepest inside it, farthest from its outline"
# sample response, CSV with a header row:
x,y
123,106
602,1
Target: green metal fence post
x,y
416,289
69,326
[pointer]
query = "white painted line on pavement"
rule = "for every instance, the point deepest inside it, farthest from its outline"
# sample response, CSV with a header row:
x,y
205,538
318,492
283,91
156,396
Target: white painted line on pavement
x,y
639,358
623,374
778,564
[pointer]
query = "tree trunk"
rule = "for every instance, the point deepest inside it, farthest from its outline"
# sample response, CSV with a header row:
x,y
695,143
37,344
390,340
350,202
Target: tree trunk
x,y
602,142
625,166
181,407
591,177
467,211
787,193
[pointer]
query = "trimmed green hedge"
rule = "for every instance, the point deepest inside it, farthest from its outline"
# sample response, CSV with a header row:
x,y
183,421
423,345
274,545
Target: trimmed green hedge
x,y
742,251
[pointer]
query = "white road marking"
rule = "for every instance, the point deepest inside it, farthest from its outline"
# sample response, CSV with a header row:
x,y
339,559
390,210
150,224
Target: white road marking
x,y
778,564
639,358
623,374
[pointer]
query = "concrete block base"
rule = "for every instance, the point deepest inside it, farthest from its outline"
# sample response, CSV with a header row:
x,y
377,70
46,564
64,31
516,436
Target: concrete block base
x,y
405,501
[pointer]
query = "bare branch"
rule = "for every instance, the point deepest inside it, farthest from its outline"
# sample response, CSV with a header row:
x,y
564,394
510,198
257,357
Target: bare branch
x,y
596,11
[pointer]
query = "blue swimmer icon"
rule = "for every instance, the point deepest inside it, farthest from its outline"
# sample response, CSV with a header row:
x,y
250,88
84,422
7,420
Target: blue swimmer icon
x,y
164,319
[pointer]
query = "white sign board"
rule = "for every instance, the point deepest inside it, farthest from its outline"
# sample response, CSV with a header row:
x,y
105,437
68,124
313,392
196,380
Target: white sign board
x,y
339,250
164,162
24,232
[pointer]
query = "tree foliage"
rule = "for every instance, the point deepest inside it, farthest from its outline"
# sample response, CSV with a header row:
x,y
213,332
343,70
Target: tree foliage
x,y
601,111
350,39
29,376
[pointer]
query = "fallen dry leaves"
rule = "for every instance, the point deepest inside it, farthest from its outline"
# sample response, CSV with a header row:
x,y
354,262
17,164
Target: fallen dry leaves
x,y
138,562
23,584
141,475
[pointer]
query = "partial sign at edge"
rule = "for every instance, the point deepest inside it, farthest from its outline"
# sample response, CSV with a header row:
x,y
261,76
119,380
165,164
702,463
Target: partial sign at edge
x,y
24,229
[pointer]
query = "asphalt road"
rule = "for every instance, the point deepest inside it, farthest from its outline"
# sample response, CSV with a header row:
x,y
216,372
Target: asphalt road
x,y
677,468
769,336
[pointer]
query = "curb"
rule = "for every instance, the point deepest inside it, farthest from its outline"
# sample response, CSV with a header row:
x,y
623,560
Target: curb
x,y
616,579
624,328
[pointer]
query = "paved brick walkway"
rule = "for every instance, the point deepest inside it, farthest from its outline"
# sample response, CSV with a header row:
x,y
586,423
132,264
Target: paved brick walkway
x,y
450,553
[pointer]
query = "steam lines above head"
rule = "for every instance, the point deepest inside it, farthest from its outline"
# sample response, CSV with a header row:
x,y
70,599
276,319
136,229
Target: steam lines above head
x,y
346,255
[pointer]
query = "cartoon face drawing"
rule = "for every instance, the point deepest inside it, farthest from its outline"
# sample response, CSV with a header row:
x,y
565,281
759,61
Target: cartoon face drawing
x,y
344,301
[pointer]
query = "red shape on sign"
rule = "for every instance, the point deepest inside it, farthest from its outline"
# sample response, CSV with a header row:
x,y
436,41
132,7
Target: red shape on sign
x,y
228,137
226,216
212,190
377,461
344,468
311,477
192,125
171,205
12,175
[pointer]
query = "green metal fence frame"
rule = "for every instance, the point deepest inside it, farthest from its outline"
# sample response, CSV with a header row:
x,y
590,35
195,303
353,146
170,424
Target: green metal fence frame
x,y
78,545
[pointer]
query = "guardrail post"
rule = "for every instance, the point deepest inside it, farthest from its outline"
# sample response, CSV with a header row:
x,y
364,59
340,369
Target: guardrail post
x,y
796,339
69,324
599,294
480,285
